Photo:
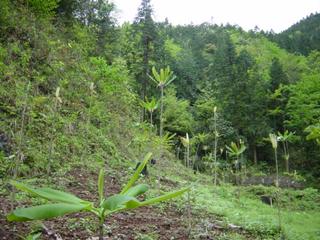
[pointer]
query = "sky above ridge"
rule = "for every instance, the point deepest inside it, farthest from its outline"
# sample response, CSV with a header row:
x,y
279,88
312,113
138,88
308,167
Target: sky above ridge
x,y
277,15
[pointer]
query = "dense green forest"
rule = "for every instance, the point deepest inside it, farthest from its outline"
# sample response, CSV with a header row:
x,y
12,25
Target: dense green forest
x,y
232,115
301,38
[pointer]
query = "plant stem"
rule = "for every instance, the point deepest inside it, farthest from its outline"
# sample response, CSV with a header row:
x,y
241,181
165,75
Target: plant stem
x,y
215,160
236,170
161,112
279,210
189,215
215,148
188,159
101,222
277,170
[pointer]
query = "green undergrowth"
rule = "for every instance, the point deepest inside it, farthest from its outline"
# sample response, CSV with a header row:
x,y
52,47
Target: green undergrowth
x,y
242,206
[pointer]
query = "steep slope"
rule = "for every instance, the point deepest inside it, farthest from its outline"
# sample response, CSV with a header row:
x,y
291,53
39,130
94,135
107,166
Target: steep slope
x,y
302,37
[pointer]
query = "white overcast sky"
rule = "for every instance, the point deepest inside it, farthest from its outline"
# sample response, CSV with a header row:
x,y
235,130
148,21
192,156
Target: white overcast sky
x,y
266,14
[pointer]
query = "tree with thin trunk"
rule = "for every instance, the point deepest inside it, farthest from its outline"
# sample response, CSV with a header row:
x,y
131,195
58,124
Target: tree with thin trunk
x,y
162,78
145,25
57,102
235,150
150,106
186,143
216,136
274,141
285,138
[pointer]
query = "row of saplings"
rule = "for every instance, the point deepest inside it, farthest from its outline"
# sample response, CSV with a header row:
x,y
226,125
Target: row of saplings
x,y
236,171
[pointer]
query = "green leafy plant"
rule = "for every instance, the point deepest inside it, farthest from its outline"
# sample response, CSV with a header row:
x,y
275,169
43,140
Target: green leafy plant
x,y
62,203
314,132
186,143
285,138
235,150
150,106
166,141
162,79
274,142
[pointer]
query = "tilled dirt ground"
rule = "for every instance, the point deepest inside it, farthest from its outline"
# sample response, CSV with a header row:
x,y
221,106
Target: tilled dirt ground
x,y
163,223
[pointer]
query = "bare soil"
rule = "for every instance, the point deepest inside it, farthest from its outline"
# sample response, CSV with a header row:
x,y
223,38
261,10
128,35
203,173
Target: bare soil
x,y
162,223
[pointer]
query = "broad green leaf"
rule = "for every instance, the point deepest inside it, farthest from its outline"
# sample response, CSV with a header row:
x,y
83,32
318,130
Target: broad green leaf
x,y
118,202
242,149
165,197
136,174
101,185
49,194
154,80
44,211
234,147
137,190
34,236
171,80
163,78
155,74
230,151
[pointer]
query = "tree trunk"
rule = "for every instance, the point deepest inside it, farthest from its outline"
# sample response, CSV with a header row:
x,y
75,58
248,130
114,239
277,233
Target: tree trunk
x,y
146,51
255,156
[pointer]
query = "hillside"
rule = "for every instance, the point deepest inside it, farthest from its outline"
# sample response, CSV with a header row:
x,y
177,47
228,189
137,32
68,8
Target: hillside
x,y
230,117
302,37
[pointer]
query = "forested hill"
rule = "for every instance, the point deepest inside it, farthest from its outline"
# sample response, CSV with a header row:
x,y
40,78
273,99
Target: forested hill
x,y
302,37
79,92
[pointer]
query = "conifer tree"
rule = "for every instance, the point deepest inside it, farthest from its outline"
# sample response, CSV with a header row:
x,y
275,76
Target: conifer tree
x,y
146,26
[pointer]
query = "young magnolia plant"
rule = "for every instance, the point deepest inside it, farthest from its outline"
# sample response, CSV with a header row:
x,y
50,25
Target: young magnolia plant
x,y
62,203
162,78
235,150
150,106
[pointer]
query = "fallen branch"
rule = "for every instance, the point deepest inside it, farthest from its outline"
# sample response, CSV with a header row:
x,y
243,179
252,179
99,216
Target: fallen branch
x,y
50,233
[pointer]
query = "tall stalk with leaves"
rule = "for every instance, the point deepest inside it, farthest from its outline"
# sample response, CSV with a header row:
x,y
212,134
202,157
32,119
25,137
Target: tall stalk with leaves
x,y
216,136
285,138
274,142
162,78
186,143
235,150
21,133
62,203
150,106
57,101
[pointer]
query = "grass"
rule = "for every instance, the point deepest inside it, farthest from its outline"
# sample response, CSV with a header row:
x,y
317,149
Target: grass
x,y
255,216
300,209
